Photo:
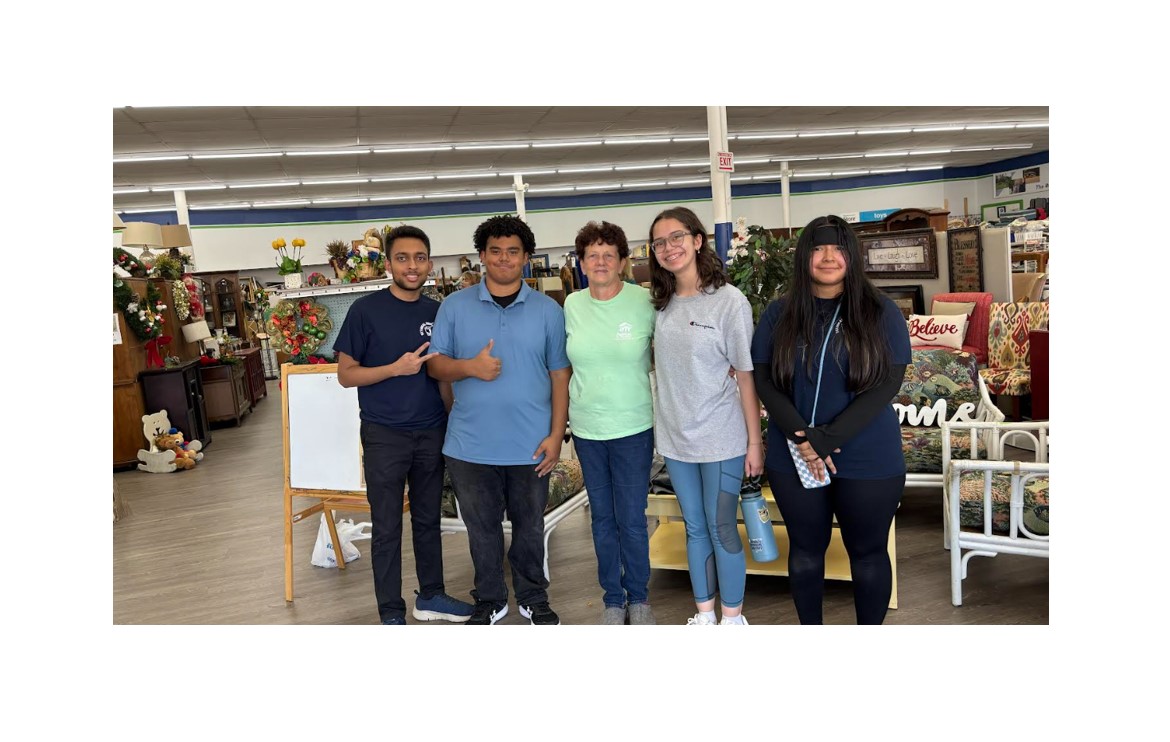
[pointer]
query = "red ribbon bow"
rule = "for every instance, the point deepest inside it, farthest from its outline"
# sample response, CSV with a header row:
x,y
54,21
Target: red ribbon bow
x,y
154,359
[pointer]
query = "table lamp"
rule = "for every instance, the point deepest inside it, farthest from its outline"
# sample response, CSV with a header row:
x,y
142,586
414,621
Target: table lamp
x,y
118,223
175,236
197,332
145,235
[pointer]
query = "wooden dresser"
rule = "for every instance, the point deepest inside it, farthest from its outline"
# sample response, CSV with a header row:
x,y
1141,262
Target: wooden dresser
x,y
179,391
225,389
254,373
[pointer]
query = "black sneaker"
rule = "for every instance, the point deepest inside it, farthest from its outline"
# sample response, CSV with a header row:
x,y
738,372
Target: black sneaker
x,y
487,613
539,614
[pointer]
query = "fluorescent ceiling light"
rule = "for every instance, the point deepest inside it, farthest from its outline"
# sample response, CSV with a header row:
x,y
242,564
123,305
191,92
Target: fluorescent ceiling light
x,y
605,169
188,188
492,146
816,174
496,193
922,129
850,172
791,135
550,190
279,184
689,139
132,190
810,134
914,152
589,143
400,178
888,170
148,210
535,172
976,127
925,167
899,153
394,198
685,182
461,176
457,194
340,200
883,131
642,167
971,149
158,158
442,148
752,162
1013,146
236,205
742,178
600,187
694,163
793,159
1033,125
236,156
644,185
294,202
840,157
638,141
328,152
335,182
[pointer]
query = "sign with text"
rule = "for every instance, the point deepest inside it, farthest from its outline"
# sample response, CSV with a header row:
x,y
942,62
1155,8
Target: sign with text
x,y
726,162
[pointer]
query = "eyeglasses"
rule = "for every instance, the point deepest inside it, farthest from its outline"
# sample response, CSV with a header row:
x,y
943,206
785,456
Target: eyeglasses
x,y
675,239
601,257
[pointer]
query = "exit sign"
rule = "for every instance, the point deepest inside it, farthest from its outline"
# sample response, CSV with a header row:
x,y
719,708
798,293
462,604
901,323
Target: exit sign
x,y
726,162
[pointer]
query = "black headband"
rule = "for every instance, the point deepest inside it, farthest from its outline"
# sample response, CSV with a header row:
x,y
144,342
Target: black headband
x,y
827,234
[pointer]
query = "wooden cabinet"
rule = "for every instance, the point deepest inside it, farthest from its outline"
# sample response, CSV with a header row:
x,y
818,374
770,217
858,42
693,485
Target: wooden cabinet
x,y
225,390
254,373
223,301
129,359
179,391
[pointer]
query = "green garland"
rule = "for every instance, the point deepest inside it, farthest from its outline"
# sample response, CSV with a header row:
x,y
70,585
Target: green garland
x,y
181,300
129,263
144,321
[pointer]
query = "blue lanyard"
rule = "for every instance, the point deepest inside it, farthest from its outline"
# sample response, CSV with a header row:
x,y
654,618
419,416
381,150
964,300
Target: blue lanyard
x,y
821,368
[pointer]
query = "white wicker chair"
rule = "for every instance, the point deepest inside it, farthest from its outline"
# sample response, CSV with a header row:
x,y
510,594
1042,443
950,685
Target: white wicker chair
x,y
984,541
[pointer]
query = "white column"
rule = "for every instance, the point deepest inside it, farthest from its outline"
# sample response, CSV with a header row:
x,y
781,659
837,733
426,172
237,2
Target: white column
x,y
720,181
181,207
520,187
785,193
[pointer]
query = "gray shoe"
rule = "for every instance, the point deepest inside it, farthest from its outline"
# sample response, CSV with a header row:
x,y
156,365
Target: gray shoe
x,y
641,615
613,616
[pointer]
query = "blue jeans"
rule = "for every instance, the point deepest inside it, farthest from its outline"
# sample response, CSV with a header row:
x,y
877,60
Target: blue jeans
x,y
394,458
484,492
617,478
709,497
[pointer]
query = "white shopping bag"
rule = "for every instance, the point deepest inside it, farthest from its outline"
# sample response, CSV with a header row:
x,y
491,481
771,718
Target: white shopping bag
x,y
347,533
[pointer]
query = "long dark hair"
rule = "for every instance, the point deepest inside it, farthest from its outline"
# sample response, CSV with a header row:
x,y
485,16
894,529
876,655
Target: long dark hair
x,y
711,273
861,314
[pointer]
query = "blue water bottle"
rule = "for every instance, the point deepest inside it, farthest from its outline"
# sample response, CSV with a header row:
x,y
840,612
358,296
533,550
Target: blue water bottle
x,y
758,524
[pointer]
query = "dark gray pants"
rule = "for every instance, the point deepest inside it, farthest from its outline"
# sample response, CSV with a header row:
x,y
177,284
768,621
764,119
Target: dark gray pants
x,y
485,492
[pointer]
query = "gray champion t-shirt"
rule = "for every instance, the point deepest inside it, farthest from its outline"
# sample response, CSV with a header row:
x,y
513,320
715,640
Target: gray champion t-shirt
x,y
697,339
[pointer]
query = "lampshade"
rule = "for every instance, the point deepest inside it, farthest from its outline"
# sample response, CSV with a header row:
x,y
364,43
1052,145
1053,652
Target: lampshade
x,y
142,234
118,223
175,235
196,331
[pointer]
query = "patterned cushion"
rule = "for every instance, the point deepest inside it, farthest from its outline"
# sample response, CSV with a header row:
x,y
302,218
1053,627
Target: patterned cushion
x,y
971,502
939,374
1014,382
922,448
1008,332
565,481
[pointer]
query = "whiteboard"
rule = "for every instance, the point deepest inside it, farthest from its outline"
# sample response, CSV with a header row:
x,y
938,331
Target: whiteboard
x,y
324,437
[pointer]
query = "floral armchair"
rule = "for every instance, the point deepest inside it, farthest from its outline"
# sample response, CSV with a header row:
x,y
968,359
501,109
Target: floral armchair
x,y
1008,357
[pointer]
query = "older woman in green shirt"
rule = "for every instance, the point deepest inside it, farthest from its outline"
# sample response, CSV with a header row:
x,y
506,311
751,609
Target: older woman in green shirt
x,y
609,328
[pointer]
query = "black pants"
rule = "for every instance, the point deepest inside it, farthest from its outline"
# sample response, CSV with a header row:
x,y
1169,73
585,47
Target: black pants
x,y
864,509
393,459
484,492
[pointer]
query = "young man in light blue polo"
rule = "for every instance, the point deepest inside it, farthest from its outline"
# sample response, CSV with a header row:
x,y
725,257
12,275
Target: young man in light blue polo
x,y
502,346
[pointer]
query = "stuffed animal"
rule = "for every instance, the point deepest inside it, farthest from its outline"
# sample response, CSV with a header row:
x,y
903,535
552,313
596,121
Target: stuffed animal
x,y
155,425
373,240
186,454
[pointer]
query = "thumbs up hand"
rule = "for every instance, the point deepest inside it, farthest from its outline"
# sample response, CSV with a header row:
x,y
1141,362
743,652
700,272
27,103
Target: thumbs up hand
x,y
484,365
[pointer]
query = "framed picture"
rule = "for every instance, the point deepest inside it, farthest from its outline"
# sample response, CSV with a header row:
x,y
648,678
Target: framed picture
x,y
909,253
908,298
991,212
229,319
965,259
539,261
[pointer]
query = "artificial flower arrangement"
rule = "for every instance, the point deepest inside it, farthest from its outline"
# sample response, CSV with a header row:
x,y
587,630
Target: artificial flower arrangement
x,y
289,261
759,264
366,261
299,326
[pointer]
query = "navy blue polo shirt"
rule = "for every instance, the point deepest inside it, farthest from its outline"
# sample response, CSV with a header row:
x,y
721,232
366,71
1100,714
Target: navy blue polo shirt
x,y
501,422
876,451
378,329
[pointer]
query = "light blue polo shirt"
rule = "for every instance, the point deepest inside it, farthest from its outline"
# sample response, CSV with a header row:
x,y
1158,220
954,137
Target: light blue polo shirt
x,y
501,422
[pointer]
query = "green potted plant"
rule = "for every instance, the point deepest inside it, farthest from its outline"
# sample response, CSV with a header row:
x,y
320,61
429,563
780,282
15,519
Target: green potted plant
x,y
288,263
759,264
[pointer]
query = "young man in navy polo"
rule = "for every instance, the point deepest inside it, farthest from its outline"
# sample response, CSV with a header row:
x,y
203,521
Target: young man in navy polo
x,y
381,350
502,346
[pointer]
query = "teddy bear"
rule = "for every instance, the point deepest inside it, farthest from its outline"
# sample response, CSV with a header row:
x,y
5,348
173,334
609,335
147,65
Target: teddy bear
x,y
186,454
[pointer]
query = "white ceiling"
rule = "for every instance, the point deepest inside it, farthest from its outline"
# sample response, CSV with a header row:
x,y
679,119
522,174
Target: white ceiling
x,y
153,132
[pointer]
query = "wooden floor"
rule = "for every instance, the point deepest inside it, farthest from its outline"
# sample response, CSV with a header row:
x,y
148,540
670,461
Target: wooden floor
x,y
205,546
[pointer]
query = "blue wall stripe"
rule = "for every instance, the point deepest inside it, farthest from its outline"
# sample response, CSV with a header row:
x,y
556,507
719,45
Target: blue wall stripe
x,y
431,210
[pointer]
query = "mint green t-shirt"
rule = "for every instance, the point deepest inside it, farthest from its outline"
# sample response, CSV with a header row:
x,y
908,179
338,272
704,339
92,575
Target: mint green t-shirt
x,y
609,347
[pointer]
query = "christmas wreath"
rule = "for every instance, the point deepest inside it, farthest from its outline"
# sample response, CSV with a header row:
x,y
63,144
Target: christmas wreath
x,y
298,326
181,299
129,263
144,318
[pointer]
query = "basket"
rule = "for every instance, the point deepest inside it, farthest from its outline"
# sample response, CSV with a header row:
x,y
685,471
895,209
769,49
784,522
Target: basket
x,y
367,272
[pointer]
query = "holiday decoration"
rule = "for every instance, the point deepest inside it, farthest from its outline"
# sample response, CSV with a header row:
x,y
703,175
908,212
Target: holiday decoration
x,y
181,299
129,263
298,326
144,319
193,299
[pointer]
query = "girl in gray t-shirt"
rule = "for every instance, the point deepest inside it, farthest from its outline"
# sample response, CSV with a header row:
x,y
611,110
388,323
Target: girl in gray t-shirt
x,y
706,412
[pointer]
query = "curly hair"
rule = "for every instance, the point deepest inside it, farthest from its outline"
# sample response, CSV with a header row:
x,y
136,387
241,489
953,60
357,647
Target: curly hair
x,y
606,233
405,230
505,225
861,312
711,273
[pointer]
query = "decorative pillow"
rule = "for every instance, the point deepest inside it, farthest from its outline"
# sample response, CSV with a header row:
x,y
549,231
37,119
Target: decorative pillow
x,y
953,307
946,330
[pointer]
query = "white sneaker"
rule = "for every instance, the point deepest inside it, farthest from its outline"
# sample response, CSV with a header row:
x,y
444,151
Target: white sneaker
x,y
741,622
699,620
